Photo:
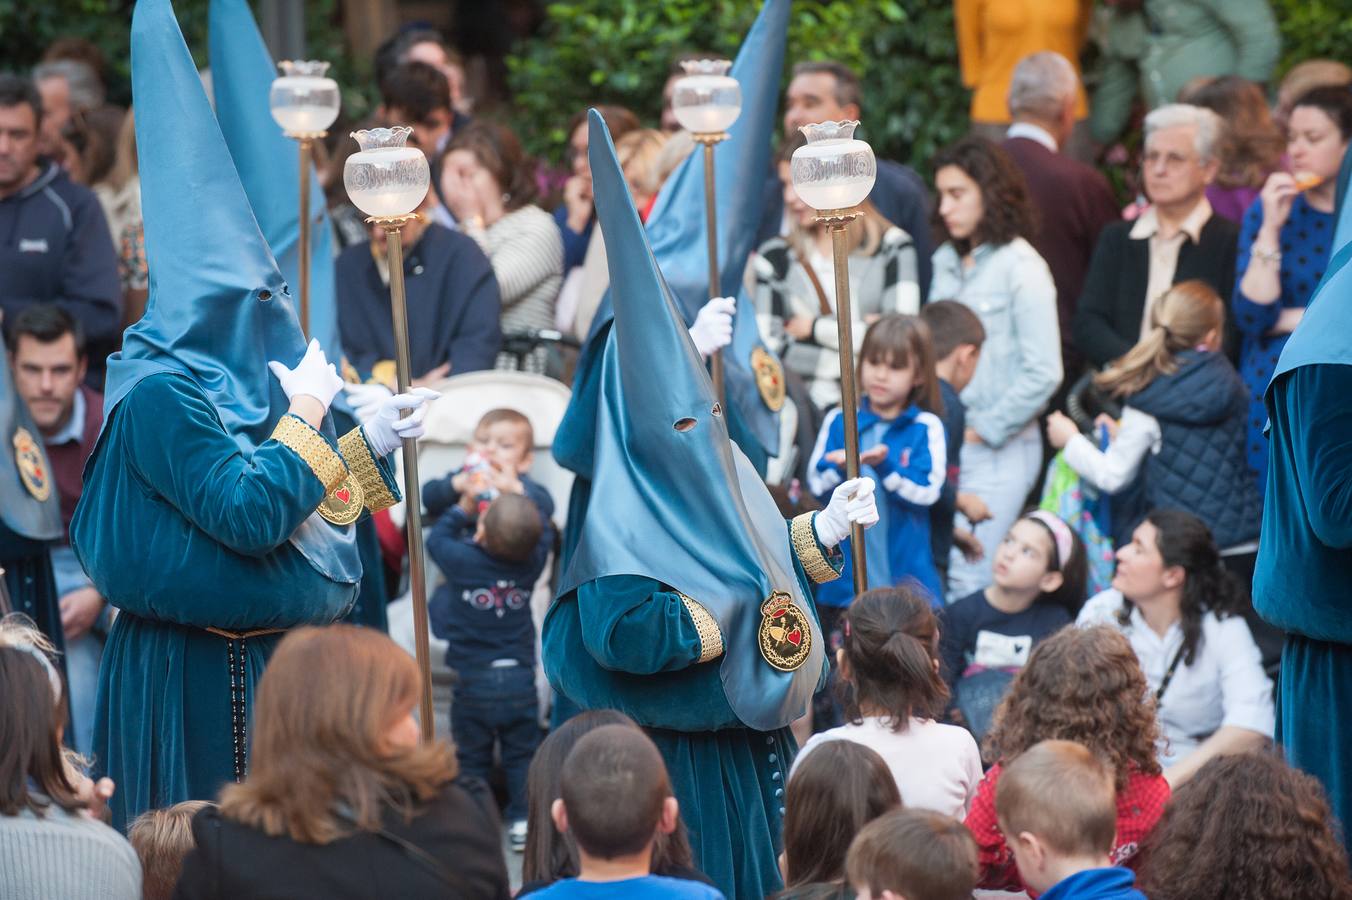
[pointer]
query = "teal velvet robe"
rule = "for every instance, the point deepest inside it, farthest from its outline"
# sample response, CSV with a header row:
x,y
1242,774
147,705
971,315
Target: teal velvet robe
x,y
1303,577
181,531
642,658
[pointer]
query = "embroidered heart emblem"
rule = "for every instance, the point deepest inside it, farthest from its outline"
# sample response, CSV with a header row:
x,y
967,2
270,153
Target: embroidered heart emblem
x,y
796,636
343,494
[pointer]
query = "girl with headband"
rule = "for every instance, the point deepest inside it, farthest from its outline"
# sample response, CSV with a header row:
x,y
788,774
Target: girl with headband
x,y
1037,587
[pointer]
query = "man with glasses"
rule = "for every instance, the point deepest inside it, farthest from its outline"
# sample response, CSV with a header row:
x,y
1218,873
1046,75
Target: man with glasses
x,y
1176,239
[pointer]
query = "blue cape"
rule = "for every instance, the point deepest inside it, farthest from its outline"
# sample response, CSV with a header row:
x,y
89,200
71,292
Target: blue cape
x,y
673,498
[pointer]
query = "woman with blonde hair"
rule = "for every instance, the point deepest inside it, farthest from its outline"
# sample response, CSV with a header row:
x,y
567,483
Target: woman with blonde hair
x,y
1182,427
794,285
119,193
342,801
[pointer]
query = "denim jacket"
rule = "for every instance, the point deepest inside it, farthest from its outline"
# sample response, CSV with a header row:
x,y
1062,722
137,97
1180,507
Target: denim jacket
x,y
1010,288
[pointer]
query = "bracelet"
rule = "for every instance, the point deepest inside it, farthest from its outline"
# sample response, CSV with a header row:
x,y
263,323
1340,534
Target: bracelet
x,y
1270,256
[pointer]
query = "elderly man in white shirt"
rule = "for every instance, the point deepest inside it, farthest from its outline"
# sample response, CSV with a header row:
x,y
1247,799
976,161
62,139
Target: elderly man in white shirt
x,y
1178,606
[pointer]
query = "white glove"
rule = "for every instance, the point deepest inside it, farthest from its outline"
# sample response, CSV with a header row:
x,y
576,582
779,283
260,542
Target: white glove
x,y
366,399
833,523
314,376
713,325
386,430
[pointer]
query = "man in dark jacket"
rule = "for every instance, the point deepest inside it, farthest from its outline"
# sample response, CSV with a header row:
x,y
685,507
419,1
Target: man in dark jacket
x,y
1073,200
1176,239
453,304
829,92
54,240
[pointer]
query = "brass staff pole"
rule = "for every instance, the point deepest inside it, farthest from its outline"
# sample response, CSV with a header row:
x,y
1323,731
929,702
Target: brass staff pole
x,y
417,577
305,147
711,226
837,222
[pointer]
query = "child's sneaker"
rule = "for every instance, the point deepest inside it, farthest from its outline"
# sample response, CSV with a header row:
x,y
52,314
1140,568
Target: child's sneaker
x,y
517,836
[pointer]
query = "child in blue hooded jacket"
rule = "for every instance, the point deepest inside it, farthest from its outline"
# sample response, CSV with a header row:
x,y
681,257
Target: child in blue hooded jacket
x,y
901,439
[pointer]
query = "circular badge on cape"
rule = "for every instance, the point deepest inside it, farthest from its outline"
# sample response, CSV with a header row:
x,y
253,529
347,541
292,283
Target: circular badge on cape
x,y
343,504
32,465
785,636
769,378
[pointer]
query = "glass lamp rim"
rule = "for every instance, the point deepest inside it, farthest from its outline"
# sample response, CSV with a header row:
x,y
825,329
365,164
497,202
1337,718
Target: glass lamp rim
x,y
709,65
303,68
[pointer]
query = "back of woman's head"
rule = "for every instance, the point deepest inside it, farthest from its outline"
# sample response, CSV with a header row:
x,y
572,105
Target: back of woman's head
x,y
836,790
30,747
1083,685
1251,144
1183,540
498,150
1007,210
1182,318
1246,827
325,705
890,648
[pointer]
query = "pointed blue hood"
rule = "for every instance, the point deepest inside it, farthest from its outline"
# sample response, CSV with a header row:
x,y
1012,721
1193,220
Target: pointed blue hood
x,y
219,308
268,162
20,511
676,230
672,497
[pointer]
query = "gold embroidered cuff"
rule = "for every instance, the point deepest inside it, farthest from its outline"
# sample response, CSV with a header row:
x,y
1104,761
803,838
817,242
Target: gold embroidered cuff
x,y
809,552
311,447
357,453
710,638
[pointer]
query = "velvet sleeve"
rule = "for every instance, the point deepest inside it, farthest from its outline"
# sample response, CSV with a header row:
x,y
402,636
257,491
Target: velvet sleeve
x,y
1322,449
630,624
181,452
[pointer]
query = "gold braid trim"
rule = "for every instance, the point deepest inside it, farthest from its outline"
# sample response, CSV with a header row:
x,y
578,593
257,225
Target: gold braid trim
x,y
364,468
311,447
710,638
809,552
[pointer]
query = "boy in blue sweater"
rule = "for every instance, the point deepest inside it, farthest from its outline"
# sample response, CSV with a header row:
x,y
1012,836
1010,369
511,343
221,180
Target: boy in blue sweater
x,y
1057,806
492,559
616,799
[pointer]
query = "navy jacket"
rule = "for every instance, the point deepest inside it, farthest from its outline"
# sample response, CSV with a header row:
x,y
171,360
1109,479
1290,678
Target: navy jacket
x,y
453,305
483,609
1202,467
901,198
55,247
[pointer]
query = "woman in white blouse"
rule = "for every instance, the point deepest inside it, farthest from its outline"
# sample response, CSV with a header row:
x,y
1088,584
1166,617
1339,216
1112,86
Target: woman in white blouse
x,y
1179,607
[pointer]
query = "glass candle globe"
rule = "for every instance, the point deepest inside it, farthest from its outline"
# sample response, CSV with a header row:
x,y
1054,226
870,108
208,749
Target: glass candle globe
x,y
706,100
833,170
386,178
303,99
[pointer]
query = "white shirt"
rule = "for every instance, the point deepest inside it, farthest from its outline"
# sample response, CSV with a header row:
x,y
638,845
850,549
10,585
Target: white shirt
x,y
936,766
1034,133
1224,685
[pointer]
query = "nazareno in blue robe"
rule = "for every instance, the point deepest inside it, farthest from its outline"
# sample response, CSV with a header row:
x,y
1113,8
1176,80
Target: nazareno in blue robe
x,y
1303,580
643,659
183,532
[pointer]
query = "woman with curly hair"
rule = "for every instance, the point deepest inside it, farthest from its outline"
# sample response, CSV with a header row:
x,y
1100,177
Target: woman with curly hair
x,y
1247,827
1083,685
986,263
1181,610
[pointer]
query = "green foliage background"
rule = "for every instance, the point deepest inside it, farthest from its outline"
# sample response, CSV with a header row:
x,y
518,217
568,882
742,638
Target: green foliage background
x,y
618,51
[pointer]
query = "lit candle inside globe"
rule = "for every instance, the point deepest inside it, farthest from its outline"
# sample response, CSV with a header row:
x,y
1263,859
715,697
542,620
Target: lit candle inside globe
x,y
833,170
706,100
303,100
386,178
